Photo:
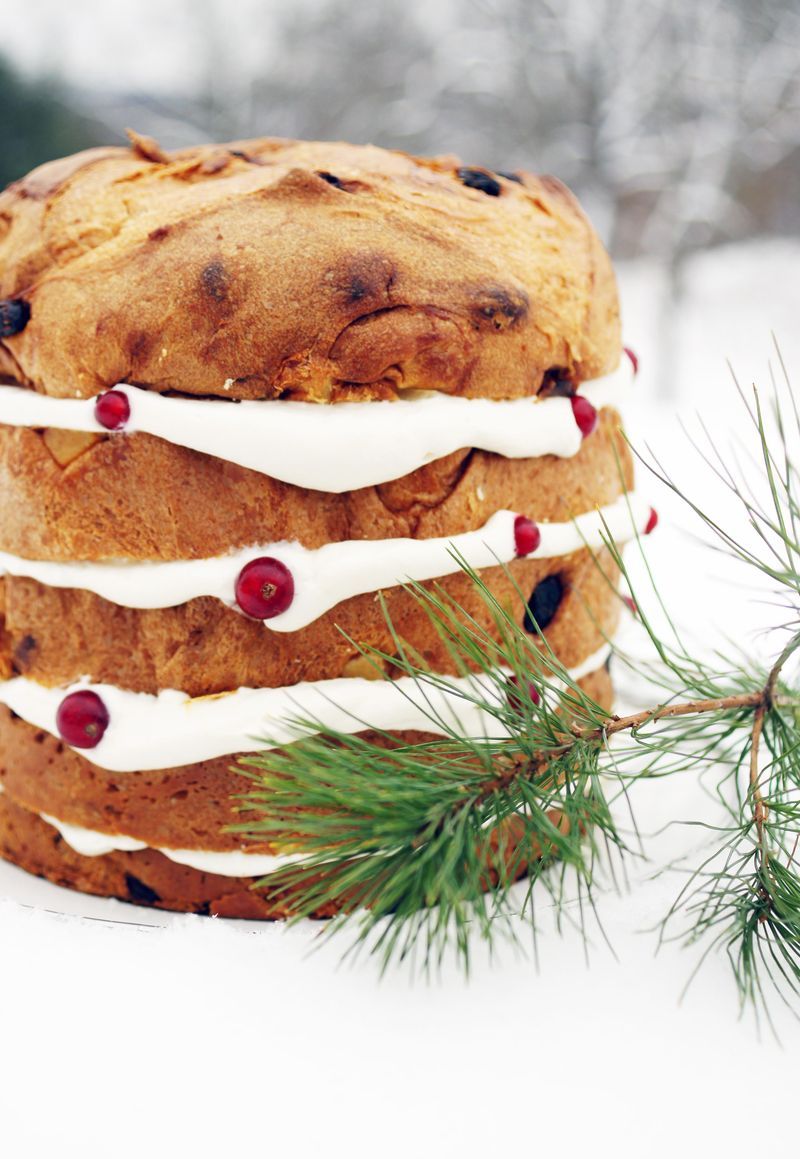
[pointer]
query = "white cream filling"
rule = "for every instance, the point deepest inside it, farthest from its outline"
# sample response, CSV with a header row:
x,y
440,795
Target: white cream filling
x,y
240,863
227,863
171,729
325,576
337,447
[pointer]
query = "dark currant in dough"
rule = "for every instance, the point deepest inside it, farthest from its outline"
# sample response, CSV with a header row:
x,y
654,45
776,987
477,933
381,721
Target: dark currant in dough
x,y
543,603
14,316
330,178
556,383
139,892
480,179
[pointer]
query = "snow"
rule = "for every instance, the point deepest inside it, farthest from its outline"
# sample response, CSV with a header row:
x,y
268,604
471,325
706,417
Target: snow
x,y
735,297
124,1032
738,302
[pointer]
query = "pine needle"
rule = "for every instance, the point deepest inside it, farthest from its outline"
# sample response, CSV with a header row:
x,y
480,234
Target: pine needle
x,y
422,849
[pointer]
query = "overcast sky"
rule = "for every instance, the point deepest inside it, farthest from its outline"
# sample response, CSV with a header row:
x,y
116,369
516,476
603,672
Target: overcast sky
x,y
158,46
130,44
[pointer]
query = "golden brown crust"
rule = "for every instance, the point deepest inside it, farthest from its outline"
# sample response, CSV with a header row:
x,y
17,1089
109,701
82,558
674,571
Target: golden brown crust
x,y
245,264
39,775
146,878
138,497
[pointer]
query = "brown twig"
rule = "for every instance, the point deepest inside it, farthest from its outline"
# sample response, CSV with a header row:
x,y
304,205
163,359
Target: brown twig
x,y
759,808
614,724
687,708
761,701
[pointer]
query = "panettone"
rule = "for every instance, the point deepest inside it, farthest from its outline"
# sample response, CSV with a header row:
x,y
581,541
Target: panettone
x,y
246,388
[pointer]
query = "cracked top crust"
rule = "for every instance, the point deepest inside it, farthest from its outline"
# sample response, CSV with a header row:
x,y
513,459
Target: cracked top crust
x,y
326,271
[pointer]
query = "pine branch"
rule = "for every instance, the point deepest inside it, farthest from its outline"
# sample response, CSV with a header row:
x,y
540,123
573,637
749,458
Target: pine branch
x,y
302,794
418,848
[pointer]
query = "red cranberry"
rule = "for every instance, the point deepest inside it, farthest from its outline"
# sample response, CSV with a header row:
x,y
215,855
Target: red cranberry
x,y
514,698
112,410
527,535
81,720
264,588
652,521
585,415
634,359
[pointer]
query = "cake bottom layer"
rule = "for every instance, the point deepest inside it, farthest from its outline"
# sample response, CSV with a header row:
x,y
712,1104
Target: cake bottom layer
x,y
30,777
146,878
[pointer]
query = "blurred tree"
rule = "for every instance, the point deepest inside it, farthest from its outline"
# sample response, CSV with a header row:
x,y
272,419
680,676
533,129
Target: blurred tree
x,y
658,114
38,124
345,71
666,118
676,122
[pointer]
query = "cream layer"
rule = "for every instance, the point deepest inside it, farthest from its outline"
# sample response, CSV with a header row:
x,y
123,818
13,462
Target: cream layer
x,y
230,863
339,447
325,576
171,729
240,863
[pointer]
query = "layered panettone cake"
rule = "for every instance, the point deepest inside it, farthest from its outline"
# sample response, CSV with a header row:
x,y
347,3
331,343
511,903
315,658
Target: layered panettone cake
x,y
245,388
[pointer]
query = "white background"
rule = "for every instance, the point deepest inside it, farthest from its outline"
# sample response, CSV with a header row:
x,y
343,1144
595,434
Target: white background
x,y
194,1037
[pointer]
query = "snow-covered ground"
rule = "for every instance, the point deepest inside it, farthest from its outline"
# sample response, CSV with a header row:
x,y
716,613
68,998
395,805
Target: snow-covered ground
x,y
734,298
737,303
256,1047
